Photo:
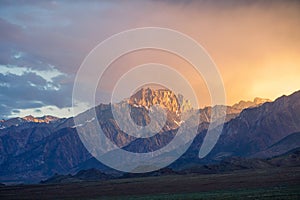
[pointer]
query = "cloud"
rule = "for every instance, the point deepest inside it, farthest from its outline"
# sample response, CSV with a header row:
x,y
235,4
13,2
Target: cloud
x,y
24,88
37,110
43,43
16,111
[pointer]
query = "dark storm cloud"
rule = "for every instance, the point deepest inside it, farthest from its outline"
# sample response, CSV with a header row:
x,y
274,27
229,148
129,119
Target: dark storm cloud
x,y
9,32
45,36
9,36
15,111
15,40
37,111
59,33
30,90
62,33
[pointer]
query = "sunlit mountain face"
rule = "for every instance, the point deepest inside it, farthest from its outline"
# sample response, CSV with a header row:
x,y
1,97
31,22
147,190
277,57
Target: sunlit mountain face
x,y
150,99
33,150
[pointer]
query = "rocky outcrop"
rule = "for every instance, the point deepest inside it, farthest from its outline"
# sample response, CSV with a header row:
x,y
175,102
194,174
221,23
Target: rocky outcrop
x,y
250,104
149,97
44,119
263,131
26,120
34,151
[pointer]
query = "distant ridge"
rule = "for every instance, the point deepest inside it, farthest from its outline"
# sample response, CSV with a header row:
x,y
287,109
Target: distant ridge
x,y
44,119
21,120
31,152
250,104
256,132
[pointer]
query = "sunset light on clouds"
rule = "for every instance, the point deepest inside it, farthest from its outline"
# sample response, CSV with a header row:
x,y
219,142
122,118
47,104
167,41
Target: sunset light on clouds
x,y
254,44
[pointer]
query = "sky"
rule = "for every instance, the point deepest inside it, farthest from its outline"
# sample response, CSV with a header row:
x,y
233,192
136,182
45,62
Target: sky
x,y
254,44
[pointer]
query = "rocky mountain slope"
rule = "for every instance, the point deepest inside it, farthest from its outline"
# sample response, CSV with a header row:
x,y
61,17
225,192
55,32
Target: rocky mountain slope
x,y
34,151
256,129
250,104
255,132
27,119
149,97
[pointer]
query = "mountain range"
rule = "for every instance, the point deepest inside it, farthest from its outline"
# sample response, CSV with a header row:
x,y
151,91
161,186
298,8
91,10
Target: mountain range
x,y
34,149
27,119
289,159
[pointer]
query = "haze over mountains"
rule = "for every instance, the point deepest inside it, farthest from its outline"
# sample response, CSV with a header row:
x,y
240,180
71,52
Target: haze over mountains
x,y
34,149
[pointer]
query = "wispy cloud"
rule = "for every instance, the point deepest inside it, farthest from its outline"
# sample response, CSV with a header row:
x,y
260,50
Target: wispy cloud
x,y
43,43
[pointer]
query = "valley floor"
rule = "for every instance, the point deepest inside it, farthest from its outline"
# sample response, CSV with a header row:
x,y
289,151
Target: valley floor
x,y
275,183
